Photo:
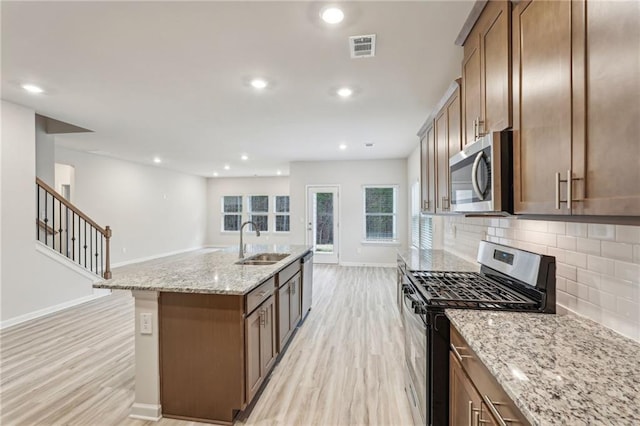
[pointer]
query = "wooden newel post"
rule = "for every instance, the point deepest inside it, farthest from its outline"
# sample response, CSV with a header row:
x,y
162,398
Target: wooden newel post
x,y
107,266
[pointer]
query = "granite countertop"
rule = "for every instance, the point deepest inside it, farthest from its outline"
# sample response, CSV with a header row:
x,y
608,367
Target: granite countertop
x,y
209,272
558,369
436,260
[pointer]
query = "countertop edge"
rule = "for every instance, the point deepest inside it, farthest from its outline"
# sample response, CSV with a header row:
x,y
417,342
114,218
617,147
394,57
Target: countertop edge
x,y
271,272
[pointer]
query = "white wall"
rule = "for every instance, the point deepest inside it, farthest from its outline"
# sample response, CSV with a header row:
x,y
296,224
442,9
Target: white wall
x,y
351,176
219,187
18,209
152,211
45,152
30,283
598,266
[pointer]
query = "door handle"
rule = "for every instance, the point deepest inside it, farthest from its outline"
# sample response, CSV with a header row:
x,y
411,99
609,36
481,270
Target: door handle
x,y
474,176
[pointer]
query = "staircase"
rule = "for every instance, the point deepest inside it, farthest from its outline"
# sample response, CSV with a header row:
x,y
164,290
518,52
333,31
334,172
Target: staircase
x,y
64,228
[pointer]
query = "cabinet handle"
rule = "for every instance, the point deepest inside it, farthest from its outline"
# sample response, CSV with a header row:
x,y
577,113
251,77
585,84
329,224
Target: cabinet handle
x,y
492,407
454,349
262,320
569,181
480,132
470,413
445,203
425,205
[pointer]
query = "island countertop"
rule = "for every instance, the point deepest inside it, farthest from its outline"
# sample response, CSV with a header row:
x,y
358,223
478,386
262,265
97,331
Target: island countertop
x,y
214,272
557,369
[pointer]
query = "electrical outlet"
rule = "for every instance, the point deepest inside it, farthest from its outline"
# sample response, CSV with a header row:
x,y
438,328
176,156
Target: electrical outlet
x,y
145,323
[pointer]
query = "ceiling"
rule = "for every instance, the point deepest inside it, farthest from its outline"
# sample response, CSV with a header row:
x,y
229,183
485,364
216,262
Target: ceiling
x,y
171,79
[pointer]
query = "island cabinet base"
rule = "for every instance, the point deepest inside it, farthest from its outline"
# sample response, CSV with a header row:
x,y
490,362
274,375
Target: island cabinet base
x,y
202,356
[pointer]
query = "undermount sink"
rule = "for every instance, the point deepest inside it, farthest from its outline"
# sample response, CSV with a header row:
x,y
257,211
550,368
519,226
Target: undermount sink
x,y
263,259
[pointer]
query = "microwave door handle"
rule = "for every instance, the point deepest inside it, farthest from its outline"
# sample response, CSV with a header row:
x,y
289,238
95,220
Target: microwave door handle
x,y
474,176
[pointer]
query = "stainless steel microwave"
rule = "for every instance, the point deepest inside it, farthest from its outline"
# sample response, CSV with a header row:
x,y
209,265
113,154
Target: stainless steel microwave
x,y
481,176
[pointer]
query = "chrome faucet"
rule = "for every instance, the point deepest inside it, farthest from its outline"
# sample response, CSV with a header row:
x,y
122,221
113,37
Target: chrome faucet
x,y
241,252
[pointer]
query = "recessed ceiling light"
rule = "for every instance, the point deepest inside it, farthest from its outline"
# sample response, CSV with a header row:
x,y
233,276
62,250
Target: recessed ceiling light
x,y
215,174
344,92
244,157
157,160
332,15
278,172
31,88
226,167
259,83
342,147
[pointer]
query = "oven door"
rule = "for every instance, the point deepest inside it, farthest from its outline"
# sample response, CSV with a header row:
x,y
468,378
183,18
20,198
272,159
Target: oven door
x,y
415,349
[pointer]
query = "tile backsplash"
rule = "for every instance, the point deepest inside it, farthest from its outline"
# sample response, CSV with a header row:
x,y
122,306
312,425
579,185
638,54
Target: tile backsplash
x,y
598,266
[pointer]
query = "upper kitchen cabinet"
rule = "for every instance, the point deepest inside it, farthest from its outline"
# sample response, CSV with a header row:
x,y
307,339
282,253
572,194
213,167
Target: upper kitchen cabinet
x,y
440,138
576,80
606,111
427,168
542,103
448,132
486,70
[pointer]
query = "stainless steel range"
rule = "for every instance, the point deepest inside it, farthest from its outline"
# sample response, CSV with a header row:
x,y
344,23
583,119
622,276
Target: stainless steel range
x,y
509,279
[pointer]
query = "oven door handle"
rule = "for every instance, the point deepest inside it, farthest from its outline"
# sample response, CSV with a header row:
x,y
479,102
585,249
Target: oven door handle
x,y
474,175
417,319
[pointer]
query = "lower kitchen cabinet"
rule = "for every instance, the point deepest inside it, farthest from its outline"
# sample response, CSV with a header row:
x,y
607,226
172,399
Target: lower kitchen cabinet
x,y
289,312
260,329
475,397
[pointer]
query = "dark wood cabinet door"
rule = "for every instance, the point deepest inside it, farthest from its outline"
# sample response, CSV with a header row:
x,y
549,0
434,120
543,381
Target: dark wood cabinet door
x,y
253,325
294,301
427,171
471,90
447,131
542,104
268,344
454,126
284,322
442,160
606,150
495,48
465,402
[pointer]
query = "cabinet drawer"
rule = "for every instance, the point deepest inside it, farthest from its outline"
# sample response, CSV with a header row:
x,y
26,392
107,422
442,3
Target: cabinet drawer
x,y
260,294
288,272
494,399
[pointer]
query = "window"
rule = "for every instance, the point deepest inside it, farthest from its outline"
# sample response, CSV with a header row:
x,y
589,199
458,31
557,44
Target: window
x,y
380,213
231,212
426,233
259,212
282,213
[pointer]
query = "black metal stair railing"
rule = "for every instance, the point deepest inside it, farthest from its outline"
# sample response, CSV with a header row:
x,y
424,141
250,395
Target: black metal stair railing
x,y
63,227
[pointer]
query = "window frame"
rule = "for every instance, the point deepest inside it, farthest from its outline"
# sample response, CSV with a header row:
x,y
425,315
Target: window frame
x,y
394,240
223,214
276,213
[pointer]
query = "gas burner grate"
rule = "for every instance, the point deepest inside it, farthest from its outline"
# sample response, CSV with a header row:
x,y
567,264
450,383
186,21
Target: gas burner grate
x,y
468,290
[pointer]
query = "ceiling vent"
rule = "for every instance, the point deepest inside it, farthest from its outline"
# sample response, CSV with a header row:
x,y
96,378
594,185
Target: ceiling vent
x,y
362,46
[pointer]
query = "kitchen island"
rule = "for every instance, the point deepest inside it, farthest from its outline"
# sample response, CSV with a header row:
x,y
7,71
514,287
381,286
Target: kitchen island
x,y
208,330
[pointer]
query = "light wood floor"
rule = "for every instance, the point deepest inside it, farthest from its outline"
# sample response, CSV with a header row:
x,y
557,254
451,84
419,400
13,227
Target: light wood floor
x,y
344,366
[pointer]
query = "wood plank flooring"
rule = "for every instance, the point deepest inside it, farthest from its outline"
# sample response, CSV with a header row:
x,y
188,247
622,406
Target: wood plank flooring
x,y
343,367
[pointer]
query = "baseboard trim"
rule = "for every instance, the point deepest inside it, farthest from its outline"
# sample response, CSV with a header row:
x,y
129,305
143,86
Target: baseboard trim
x,y
155,256
152,412
371,264
97,293
65,261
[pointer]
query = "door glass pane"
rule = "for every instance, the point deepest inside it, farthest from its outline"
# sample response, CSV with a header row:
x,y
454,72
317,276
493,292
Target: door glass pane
x,y
323,214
